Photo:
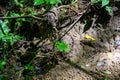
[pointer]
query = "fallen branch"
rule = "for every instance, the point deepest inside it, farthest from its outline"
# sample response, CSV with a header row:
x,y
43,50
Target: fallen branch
x,y
25,16
71,26
79,17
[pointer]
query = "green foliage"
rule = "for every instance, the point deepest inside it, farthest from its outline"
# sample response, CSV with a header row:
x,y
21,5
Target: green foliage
x,y
109,9
29,67
105,3
95,1
3,77
19,20
39,2
2,63
5,36
31,11
4,29
19,3
105,79
62,47
47,4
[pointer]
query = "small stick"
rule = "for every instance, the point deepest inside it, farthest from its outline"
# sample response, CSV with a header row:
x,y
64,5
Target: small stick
x,y
26,16
72,25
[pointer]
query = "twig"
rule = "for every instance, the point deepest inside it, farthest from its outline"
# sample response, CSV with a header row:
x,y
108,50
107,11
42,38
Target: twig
x,y
26,16
20,73
93,74
35,17
72,25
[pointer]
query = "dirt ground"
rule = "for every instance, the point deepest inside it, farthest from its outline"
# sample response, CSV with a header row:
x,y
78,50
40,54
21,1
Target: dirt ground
x,y
99,59
95,58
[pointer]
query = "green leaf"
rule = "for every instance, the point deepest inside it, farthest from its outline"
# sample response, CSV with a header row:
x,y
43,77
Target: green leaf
x,y
19,3
53,1
59,1
62,47
39,2
83,67
14,14
29,67
4,28
14,38
5,36
95,1
11,38
2,63
109,9
105,2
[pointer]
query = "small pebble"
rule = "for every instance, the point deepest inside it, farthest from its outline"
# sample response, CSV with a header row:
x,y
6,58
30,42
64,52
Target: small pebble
x,y
100,64
117,55
117,42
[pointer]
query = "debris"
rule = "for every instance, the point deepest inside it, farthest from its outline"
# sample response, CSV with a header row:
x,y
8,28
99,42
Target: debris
x,y
89,37
82,67
110,54
101,64
117,42
117,55
107,72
